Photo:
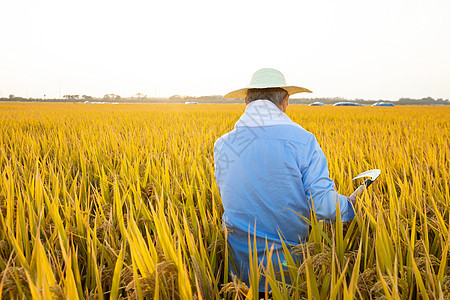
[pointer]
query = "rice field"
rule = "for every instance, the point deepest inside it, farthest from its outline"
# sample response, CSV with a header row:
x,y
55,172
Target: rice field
x,y
120,201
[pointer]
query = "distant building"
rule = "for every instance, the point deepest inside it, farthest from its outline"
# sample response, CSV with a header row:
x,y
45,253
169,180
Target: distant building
x,y
347,104
97,102
316,104
383,104
190,102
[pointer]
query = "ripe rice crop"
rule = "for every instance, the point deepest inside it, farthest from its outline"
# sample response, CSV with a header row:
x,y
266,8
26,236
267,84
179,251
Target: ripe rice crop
x,y
101,201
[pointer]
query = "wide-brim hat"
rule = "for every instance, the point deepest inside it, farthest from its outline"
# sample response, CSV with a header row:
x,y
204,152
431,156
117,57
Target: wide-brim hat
x,y
267,78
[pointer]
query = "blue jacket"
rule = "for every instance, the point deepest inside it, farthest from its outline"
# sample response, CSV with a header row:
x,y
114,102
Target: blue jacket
x,y
267,169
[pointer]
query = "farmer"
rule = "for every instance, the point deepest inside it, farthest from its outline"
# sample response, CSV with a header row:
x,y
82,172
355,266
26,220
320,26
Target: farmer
x,y
268,169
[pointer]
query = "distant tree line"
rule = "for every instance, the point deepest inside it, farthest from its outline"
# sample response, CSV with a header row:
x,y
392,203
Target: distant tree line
x,y
221,99
401,101
142,98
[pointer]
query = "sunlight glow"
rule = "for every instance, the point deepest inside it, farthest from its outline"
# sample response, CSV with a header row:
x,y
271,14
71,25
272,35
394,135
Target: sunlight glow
x,y
354,49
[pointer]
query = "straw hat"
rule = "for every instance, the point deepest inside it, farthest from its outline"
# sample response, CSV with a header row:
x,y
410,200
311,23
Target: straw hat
x,y
267,78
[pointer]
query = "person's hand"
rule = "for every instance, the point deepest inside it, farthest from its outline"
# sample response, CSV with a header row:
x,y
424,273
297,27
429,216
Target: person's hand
x,y
352,199
356,193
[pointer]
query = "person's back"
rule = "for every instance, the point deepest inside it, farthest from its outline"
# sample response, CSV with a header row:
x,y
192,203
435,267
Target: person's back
x,y
267,170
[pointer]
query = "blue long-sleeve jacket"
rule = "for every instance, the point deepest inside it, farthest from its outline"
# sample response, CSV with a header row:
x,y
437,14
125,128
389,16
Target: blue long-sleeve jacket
x,y
267,169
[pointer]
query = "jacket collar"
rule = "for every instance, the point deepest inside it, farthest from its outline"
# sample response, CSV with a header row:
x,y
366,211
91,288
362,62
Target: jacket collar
x,y
263,113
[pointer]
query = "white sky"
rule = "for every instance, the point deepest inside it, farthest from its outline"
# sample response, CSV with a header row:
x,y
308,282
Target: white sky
x,y
384,49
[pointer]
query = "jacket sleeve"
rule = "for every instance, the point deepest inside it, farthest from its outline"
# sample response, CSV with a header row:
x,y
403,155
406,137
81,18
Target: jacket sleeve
x,y
320,189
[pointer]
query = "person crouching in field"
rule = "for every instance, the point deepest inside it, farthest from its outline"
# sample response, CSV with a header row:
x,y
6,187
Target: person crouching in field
x,y
268,169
